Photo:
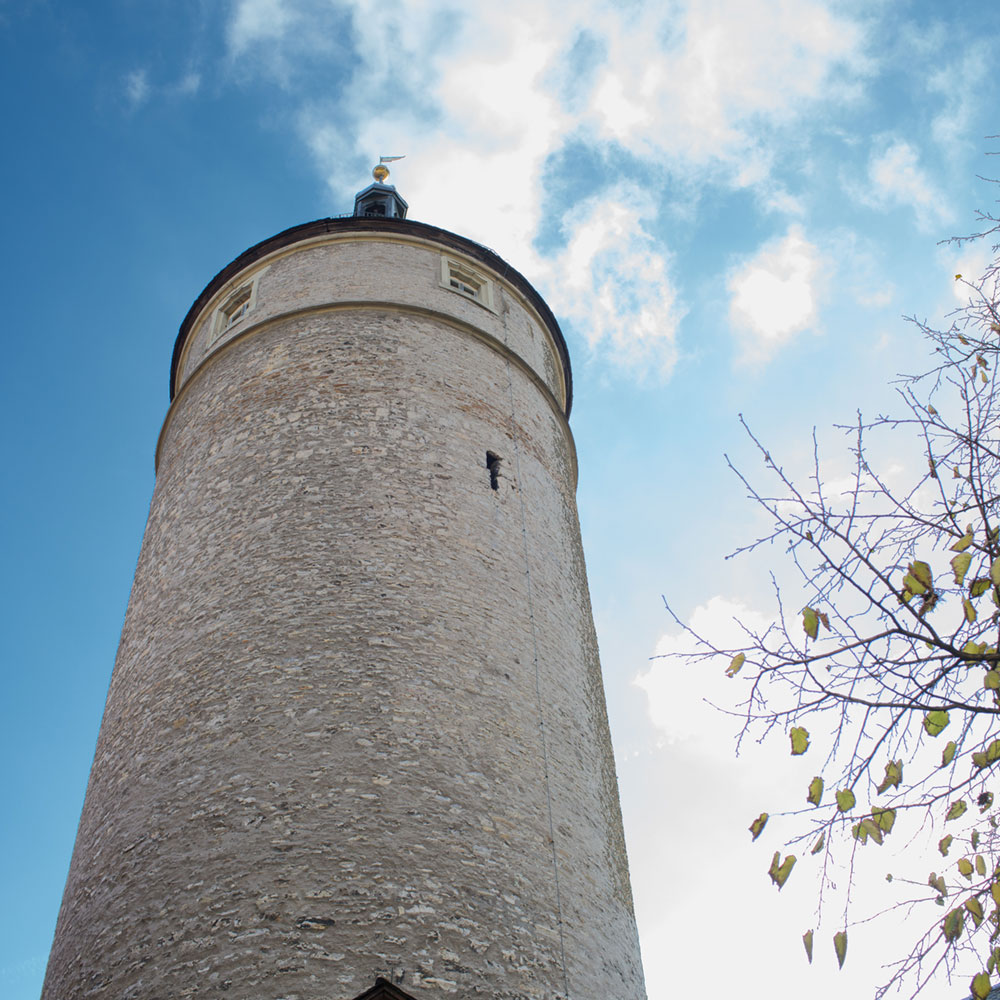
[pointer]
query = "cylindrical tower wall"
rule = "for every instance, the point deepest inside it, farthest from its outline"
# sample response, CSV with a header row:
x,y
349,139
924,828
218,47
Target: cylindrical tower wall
x,y
356,726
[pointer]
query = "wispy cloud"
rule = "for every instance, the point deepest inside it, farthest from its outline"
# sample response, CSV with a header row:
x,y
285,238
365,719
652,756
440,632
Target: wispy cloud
x,y
896,179
773,294
136,86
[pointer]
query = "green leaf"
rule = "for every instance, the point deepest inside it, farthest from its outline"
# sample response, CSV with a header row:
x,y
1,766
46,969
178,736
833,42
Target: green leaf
x,y
980,985
948,754
995,571
734,665
970,611
979,760
893,775
952,925
944,843
807,940
815,791
985,802
800,740
810,622
840,947
957,809
995,892
885,818
975,908
865,829
980,865
979,587
845,800
757,826
975,842
965,868
818,846
964,542
937,882
780,870
993,752
960,566
935,722
991,681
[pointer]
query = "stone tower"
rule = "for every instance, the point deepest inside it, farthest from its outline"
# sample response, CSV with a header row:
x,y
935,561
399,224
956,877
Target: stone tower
x,y
355,743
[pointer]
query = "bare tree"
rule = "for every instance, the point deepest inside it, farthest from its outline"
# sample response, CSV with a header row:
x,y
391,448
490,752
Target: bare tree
x,y
893,661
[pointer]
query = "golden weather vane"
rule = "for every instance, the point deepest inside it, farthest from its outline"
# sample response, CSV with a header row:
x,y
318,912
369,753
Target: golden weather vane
x,y
381,171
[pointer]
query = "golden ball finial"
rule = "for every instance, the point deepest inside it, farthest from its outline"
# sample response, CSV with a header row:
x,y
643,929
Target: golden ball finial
x,y
380,172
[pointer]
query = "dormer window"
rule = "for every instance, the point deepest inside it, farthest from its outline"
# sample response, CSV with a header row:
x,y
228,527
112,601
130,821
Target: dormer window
x,y
460,277
233,309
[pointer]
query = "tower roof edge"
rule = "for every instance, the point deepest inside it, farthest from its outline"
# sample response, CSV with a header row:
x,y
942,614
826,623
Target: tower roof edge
x,y
361,224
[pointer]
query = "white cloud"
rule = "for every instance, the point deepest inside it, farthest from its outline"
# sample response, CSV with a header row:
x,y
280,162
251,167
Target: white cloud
x,y
255,21
137,88
961,84
614,282
481,101
699,687
895,178
773,294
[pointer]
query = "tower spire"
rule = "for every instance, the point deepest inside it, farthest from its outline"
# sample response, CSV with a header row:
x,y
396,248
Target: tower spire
x,y
381,200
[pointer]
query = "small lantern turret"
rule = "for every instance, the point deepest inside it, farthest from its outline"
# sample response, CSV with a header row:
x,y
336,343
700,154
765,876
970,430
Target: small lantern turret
x,y
380,200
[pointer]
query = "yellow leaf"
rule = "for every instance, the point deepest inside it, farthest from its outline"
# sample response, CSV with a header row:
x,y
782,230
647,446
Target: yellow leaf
x,y
800,740
757,826
952,925
975,909
845,800
965,867
948,754
980,985
923,573
958,277
931,410
980,866
815,791
995,892
780,870
964,542
956,809
960,566
991,680
840,947
810,622
738,660
807,940
893,775
995,571
944,843
970,611
935,722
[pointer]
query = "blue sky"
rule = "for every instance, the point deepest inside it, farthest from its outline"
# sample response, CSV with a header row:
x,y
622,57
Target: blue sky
x,y
729,204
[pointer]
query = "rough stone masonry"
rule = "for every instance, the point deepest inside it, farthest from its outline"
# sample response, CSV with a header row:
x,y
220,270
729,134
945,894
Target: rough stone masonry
x,y
356,725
